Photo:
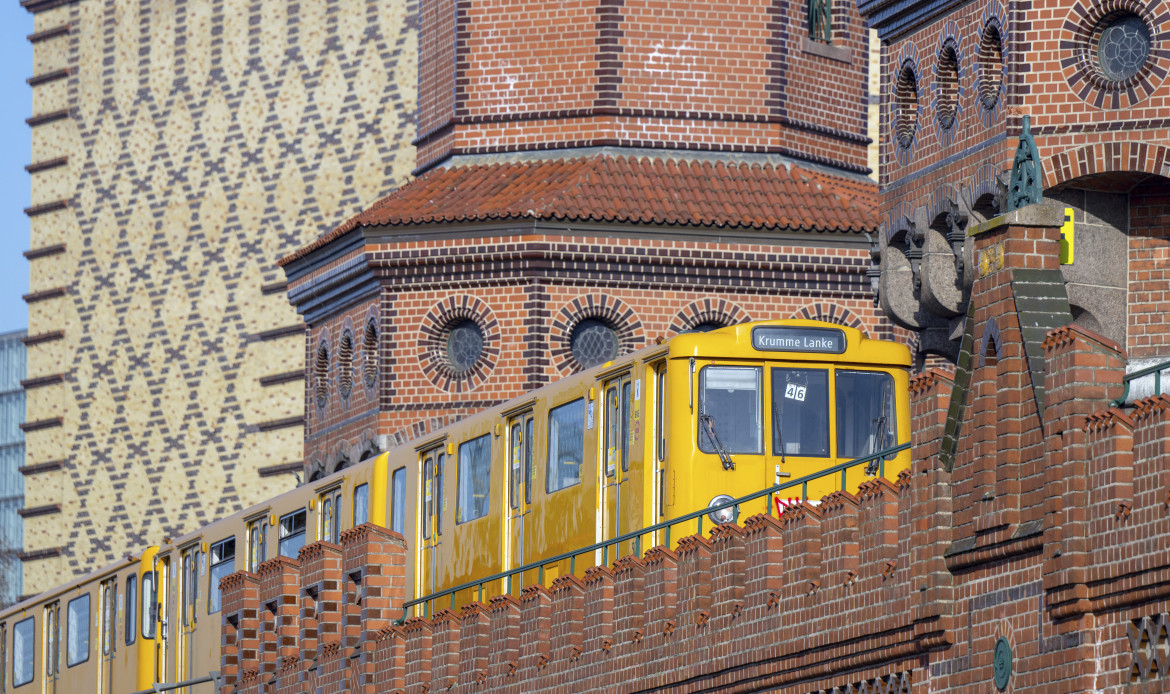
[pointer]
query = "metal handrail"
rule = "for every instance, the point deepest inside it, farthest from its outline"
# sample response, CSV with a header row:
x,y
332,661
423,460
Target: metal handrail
x,y
160,687
636,535
1156,369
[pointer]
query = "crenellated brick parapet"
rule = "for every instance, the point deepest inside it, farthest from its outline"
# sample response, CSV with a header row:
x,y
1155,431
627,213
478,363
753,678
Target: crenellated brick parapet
x,y
1032,526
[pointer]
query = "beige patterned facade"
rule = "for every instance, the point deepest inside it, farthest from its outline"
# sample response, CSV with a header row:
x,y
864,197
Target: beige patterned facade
x,y
179,148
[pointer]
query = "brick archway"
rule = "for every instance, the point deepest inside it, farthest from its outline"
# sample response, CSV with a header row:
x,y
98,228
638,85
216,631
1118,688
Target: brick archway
x,y
830,313
1106,157
707,310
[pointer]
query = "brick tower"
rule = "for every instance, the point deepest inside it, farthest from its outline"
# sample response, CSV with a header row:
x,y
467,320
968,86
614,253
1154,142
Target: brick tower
x,y
181,147
591,176
958,80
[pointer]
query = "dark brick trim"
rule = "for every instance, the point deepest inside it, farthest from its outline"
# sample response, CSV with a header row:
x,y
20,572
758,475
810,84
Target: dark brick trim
x,y
30,383
49,466
39,554
49,117
34,511
49,423
54,293
619,112
46,164
51,76
282,469
39,338
609,51
274,288
461,49
45,208
286,423
778,49
286,377
642,144
277,333
54,32
44,251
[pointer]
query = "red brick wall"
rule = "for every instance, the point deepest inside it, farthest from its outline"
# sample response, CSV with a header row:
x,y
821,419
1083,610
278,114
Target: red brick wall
x,y
675,74
1149,269
897,588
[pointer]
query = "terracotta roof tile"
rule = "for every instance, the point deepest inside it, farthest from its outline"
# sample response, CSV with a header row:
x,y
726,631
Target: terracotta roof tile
x,y
626,190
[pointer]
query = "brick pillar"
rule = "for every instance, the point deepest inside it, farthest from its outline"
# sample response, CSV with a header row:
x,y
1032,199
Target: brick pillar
x,y
1151,474
320,597
474,644
661,598
598,634
694,586
629,608
568,622
239,634
727,564
445,638
536,630
839,552
801,529
764,569
390,659
280,587
504,615
374,565
417,633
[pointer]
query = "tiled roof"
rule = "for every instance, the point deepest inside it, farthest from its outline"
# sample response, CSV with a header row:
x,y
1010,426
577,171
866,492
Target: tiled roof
x,y
626,190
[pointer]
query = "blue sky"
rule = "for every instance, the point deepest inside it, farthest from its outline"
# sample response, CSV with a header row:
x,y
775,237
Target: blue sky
x,y
16,57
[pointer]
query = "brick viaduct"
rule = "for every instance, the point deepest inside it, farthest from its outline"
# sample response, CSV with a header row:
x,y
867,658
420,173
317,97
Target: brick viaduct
x,y
1034,520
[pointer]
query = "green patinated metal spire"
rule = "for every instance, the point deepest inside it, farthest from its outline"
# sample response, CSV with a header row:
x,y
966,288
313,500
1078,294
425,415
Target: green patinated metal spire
x,y
1025,188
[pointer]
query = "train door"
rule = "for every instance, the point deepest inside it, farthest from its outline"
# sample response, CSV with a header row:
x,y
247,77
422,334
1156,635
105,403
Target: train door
x,y
620,504
107,629
520,476
163,600
432,471
188,603
658,479
52,648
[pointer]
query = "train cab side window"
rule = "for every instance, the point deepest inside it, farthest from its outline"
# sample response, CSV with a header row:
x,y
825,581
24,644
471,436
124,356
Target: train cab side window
x,y
475,478
398,498
24,641
428,496
109,615
865,413
361,504
660,411
330,516
566,445
800,412
223,563
131,604
292,533
77,631
256,541
149,605
729,401
440,464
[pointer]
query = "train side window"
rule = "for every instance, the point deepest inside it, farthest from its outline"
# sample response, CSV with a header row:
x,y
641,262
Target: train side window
x,y
256,540
131,603
729,401
52,653
475,470
800,412
223,563
529,472
149,605
109,614
428,496
77,631
361,504
865,413
566,445
515,457
292,533
660,411
440,463
24,642
330,516
398,498
627,403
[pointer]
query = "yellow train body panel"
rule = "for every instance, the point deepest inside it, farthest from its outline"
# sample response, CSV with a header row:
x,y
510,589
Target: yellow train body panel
x,y
650,437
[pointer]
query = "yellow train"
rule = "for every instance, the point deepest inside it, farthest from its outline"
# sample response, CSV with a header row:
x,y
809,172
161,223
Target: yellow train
x,y
696,421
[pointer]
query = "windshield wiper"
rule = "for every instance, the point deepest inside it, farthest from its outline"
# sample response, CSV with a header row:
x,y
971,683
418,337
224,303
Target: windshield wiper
x,y
878,433
724,457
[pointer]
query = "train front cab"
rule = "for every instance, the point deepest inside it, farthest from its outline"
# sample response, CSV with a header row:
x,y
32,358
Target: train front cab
x,y
85,636
765,404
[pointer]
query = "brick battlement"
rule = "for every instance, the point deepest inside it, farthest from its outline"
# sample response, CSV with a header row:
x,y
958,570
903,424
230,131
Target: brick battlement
x,y
1034,521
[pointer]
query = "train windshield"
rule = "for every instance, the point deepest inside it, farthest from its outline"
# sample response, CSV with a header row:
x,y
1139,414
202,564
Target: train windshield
x,y
865,413
729,400
800,412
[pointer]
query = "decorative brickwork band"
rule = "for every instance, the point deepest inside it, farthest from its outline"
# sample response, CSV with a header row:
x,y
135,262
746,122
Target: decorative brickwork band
x,y
39,554
39,468
34,297
37,210
44,251
46,118
47,34
40,424
285,423
286,377
41,381
34,511
46,164
41,338
46,77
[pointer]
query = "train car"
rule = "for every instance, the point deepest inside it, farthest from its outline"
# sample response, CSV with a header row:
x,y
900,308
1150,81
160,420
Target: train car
x,y
694,422
93,634
697,421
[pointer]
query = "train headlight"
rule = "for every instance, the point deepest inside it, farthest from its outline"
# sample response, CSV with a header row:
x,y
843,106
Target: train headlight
x,y
723,515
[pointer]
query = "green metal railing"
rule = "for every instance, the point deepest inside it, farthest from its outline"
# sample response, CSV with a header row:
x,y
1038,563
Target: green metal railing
x,y
1156,369
636,535
213,678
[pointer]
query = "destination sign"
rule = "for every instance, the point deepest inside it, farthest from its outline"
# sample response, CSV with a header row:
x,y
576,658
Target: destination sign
x,y
793,339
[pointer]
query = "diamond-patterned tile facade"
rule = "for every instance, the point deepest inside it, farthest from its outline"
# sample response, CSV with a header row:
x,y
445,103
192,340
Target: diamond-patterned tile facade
x,y
206,140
